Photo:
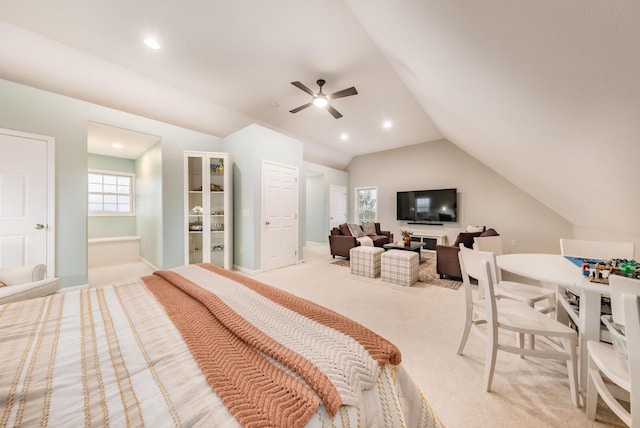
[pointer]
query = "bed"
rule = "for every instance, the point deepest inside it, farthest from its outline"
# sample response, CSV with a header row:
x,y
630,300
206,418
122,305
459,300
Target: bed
x,y
197,346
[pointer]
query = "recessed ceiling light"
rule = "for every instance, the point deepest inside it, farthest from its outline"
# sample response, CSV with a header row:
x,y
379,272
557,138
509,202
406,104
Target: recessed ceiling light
x,y
152,43
344,137
386,124
116,145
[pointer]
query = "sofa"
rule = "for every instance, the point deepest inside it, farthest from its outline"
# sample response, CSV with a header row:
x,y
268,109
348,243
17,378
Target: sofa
x,y
25,282
344,237
447,263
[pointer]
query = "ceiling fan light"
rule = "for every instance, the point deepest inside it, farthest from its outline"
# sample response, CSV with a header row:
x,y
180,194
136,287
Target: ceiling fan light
x,y
152,43
320,102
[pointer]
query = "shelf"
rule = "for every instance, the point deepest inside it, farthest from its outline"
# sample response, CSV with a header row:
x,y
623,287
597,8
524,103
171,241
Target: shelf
x,y
213,194
571,310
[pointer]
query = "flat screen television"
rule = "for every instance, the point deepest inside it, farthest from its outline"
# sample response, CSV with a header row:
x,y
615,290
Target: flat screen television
x,y
428,206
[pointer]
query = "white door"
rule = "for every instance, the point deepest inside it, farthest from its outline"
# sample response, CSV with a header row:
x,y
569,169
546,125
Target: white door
x,y
26,200
280,215
337,205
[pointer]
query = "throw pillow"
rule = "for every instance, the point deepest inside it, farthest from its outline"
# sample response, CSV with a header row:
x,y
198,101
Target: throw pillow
x,y
355,230
344,228
369,228
490,232
2,284
472,229
466,239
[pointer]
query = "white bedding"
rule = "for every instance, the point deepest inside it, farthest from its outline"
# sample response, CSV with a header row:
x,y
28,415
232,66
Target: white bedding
x,y
112,356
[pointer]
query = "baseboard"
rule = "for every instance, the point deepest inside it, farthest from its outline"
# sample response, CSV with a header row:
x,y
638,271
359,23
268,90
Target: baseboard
x,y
148,263
315,244
73,287
247,271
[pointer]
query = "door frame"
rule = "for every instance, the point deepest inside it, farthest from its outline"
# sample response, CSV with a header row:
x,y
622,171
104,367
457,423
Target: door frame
x,y
262,210
51,188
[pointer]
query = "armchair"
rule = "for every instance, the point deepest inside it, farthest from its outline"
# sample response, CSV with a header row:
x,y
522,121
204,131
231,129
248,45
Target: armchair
x,y
25,282
447,263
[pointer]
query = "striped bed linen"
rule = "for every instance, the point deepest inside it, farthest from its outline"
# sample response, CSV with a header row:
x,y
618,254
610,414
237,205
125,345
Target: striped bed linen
x,y
112,356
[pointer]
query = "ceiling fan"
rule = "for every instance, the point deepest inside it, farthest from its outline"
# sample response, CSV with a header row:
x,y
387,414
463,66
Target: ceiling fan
x,y
321,100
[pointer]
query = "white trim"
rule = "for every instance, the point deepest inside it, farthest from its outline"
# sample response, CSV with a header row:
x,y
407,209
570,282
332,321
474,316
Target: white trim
x,y
51,193
73,287
246,270
148,263
112,239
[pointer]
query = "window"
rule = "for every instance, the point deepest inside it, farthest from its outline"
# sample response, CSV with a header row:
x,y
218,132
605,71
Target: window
x,y
423,205
366,204
110,193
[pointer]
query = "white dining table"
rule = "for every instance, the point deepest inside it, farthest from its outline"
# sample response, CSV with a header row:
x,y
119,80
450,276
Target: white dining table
x,y
556,271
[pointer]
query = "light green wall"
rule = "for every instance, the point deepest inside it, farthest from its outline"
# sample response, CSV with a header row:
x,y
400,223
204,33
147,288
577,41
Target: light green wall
x,y
248,148
317,213
110,226
32,110
315,203
148,169
110,163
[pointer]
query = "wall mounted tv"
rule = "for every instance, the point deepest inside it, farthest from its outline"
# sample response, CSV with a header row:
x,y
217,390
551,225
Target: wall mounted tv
x,y
428,206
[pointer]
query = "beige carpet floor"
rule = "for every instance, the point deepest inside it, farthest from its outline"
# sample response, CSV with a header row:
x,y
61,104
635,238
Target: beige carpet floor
x,y
425,323
426,272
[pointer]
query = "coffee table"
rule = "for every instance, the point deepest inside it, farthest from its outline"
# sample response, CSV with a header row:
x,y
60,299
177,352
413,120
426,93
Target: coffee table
x,y
413,246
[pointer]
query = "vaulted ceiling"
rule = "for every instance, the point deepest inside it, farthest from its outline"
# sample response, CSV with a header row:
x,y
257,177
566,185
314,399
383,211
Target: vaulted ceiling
x,y
544,92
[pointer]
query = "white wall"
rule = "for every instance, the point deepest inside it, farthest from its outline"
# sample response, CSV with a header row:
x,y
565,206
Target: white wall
x,y
591,234
484,197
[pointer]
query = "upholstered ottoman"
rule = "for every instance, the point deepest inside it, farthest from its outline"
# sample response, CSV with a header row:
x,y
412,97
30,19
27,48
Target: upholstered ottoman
x,y
400,267
365,261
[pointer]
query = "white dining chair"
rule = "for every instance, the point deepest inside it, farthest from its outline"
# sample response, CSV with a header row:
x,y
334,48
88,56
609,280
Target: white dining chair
x,y
601,250
604,360
513,316
529,294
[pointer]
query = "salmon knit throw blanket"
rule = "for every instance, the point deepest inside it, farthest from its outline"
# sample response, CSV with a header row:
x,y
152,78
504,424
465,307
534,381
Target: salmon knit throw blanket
x,y
248,337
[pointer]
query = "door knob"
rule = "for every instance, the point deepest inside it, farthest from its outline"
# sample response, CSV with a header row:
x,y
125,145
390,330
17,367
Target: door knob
x,y
267,223
39,226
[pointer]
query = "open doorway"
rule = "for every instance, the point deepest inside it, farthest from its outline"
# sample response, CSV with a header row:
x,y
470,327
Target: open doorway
x,y
124,203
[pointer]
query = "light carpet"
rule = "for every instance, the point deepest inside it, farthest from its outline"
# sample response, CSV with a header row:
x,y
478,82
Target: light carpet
x,y
426,272
425,323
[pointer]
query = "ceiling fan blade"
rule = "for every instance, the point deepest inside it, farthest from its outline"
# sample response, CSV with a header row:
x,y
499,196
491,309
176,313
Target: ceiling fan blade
x,y
302,107
343,93
335,113
304,88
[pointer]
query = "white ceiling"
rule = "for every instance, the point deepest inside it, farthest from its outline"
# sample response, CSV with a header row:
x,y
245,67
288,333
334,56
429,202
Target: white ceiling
x,y
544,92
